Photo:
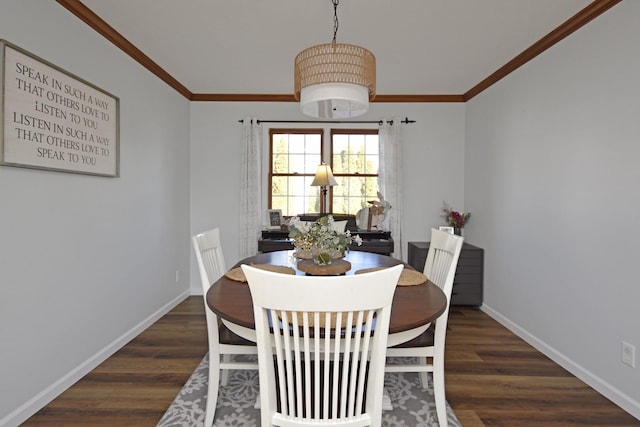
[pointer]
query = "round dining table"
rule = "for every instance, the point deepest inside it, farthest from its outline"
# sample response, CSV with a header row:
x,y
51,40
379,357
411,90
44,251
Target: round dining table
x,y
413,308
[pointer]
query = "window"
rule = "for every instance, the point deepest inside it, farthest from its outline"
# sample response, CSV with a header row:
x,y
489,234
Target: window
x,y
354,161
295,155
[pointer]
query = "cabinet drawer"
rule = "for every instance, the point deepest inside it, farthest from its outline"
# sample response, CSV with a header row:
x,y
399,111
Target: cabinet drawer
x,y
466,288
468,278
471,261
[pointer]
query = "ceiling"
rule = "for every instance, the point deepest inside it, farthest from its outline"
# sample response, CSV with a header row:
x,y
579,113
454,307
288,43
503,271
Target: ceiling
x,y
422,47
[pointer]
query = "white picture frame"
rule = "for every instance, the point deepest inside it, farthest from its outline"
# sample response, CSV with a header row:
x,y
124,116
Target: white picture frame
x,y
447,229
274,219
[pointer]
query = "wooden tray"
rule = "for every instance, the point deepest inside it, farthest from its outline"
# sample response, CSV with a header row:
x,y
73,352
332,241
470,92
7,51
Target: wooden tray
x,y
337,267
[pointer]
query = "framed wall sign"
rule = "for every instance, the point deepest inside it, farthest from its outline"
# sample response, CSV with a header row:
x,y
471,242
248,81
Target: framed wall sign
x,y
51,119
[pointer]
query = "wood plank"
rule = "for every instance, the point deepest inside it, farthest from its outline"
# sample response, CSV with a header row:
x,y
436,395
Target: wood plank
x,y
493,378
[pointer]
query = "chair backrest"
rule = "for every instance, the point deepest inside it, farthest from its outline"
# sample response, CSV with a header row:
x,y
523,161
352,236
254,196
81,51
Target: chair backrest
x,y
329,327
209,257
442,259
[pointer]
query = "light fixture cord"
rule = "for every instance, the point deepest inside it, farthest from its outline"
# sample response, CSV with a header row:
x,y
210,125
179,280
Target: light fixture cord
x,y
335,20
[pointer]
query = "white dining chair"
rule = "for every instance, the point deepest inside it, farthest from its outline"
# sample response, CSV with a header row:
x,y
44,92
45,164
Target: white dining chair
x,y
440,268
320,340
223,344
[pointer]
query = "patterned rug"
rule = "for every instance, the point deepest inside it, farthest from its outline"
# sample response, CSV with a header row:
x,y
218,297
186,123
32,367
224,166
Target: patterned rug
x,y
412,406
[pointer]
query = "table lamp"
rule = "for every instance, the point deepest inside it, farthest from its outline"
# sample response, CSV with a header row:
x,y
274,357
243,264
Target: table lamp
x,y
323,179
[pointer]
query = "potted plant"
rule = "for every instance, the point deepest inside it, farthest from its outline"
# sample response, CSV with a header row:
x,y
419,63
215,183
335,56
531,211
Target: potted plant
x,y
455,219
319,240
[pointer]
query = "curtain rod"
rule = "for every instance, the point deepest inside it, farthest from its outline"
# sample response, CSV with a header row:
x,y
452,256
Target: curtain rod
x,y
379,122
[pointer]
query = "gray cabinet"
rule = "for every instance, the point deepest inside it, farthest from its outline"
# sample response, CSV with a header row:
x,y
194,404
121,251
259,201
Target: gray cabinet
x,y
468,283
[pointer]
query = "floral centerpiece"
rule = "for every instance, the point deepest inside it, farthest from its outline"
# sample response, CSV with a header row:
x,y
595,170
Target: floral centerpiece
x,y
455,219
320,240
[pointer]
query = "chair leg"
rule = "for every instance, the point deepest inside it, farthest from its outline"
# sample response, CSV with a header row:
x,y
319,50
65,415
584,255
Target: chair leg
x,y
212,390
439,392
424,378
226,358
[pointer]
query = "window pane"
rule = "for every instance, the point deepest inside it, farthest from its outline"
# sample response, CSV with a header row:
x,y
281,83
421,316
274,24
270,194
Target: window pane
x,y
280,143
313,143
296,163
279,202
296,143
371,164
279,186
311,163
280,163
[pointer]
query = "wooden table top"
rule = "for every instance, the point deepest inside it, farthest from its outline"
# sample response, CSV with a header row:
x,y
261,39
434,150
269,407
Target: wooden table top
x,y
413,306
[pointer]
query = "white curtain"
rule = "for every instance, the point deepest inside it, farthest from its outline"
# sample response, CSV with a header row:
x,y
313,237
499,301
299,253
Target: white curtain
x,y
250,188
390,179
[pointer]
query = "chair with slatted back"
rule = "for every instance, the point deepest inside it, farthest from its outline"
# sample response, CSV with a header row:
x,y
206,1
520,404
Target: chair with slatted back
x,y
328,340
440,268
222,342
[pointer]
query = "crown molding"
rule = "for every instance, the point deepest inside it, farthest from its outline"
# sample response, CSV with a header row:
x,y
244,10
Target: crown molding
x,y
243,97
586,15
235,97
108,32
418,98
577,21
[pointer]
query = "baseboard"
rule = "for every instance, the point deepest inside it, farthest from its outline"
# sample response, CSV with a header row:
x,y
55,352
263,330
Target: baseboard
x,y
607,390
40,400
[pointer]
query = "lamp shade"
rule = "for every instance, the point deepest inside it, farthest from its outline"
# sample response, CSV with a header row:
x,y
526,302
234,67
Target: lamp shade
x,y
335,80
334,100
324,177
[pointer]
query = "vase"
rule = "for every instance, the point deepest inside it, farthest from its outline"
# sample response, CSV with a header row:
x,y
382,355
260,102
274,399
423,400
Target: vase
x,y
302,253
321,256
458,231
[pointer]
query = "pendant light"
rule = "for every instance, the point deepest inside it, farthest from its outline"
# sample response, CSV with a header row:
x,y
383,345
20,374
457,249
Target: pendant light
x,y
335,80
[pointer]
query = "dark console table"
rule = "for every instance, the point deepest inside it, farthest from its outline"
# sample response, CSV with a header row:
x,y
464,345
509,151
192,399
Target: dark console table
x,y
379,242
468,283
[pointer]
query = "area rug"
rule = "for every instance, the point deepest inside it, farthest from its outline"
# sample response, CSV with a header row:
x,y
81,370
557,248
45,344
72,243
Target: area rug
x,y
412,406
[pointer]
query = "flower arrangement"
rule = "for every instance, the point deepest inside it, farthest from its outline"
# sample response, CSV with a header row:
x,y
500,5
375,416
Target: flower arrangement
x,y
320,239
455,219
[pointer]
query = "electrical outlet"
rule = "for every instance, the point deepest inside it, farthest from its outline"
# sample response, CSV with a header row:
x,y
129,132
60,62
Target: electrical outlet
x,y
629,354
177,276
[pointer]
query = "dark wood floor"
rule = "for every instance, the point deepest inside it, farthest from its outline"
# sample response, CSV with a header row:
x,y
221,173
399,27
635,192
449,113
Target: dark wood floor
x,y
493,379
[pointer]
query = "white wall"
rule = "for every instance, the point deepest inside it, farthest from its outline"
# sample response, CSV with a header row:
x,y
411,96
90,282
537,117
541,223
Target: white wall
x,y
552,180
86,262
433,151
